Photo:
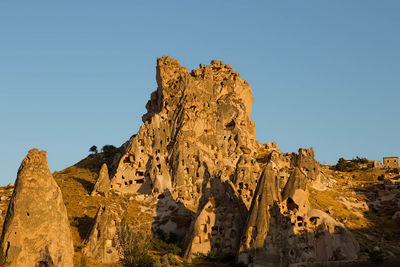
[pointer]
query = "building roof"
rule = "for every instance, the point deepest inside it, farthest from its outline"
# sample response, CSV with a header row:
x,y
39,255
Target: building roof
x,y
390,157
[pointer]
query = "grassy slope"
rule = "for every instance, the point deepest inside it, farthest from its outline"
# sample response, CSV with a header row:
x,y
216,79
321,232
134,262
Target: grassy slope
x,y
369,227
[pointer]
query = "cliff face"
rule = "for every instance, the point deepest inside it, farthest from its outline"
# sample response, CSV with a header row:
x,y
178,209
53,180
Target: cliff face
x,y
197,126
198,145
282,228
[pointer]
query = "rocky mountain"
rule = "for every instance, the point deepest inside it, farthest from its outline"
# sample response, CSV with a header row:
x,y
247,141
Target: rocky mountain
x,y
194,182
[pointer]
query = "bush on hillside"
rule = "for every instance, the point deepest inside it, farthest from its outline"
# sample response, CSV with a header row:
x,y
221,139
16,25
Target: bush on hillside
x,y
350,165
135,246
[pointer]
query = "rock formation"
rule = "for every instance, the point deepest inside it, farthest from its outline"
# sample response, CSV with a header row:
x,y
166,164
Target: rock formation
x,y
282,228
102,185
219,222
194,120
103,243
198,144
195,169
36,230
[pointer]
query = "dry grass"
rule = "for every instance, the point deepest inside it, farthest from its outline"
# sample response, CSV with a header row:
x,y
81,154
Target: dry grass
x,y
370,228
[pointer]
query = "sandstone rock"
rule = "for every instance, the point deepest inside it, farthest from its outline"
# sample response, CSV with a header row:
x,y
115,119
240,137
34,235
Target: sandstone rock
x,y
282,229
102,185
36,230
197,151
192,119
103,242
218,224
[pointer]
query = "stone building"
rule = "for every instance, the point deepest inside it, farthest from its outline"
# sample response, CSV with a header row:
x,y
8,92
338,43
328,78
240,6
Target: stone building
x,y
377,164
391,162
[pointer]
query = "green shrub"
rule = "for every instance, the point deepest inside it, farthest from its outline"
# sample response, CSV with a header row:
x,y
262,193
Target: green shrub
x,y
108,150
135,246
352,165
168,242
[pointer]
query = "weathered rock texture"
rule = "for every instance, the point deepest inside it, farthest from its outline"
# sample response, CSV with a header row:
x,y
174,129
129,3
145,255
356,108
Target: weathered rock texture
x,y
219,222
197,146
36,230
194,120
102,185
282,228
103,243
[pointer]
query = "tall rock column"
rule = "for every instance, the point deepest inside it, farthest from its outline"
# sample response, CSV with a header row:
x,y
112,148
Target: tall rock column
x,y
36,230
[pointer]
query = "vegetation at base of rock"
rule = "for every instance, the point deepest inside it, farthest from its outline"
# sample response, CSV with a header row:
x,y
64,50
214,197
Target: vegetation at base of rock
x,y
225,257
135,246
168,242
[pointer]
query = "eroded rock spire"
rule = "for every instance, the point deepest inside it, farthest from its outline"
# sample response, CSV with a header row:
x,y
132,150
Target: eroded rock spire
x,y
36,230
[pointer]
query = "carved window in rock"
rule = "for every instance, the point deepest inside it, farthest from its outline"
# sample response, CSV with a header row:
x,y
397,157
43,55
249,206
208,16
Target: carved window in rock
x,y
291,205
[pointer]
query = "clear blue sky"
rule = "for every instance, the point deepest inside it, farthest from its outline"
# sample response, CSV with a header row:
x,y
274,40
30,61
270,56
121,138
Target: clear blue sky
x,y
74,74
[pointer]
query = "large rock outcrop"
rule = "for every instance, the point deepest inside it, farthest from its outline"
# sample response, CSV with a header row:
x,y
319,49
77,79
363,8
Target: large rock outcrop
x,y
282,228
197,149
36,230
193,119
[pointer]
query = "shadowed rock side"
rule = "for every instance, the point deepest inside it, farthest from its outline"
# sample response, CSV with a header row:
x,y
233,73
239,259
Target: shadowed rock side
x,y
282,228
102,185
36,230
103,243
193,118
219,223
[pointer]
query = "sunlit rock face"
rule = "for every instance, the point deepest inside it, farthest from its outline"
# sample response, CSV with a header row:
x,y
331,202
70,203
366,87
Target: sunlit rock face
x,y
197,125
282,228
197,146
36,230
102,186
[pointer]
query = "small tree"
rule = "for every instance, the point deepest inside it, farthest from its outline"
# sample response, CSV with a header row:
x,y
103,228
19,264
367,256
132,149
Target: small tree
x,y
93,149
341,165
108,149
